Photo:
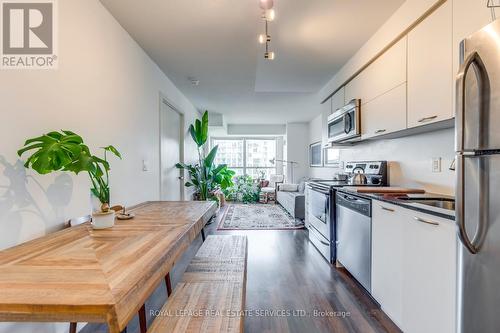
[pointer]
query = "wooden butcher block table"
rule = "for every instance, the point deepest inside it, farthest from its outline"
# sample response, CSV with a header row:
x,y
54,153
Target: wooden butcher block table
x,y
85,275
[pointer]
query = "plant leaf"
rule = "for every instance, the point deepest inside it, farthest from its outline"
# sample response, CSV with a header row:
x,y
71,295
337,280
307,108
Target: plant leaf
x,y
209,160
204,128
113,150
192,131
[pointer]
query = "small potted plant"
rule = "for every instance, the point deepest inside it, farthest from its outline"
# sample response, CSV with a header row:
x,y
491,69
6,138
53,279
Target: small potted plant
x,y
65,151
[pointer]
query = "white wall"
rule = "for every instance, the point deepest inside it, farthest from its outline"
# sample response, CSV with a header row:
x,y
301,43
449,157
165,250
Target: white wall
x,y
297,135
409,158
106,89
256,129
314,136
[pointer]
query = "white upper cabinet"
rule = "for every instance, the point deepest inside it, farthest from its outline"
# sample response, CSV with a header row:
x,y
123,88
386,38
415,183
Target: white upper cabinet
x,y
326,110
384,114
384,74
338,100
430,69
335,102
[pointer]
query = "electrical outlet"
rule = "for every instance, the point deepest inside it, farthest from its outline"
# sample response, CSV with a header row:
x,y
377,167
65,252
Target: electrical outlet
x,y
436,164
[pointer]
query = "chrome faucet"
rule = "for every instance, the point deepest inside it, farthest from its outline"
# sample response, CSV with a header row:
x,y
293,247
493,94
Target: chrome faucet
x,y
452,165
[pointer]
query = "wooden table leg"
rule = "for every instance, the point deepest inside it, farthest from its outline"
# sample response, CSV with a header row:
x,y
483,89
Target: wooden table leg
x,y
142,319
168,282
72,327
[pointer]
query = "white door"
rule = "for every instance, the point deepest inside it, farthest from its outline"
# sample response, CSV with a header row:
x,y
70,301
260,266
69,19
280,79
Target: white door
x,y
171,152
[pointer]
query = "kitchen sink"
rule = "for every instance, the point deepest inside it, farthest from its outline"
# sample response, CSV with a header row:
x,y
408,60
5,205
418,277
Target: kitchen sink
x,y
448,204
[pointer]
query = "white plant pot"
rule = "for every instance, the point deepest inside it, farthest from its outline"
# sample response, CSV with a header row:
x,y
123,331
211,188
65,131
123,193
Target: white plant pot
x,y
103,220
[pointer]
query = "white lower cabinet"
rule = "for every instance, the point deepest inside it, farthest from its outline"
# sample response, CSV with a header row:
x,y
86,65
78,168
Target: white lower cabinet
x,y
414,268
429,273
387,259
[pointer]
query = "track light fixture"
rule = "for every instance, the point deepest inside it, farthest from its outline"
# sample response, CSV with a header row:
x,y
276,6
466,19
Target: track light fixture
x,y
268,15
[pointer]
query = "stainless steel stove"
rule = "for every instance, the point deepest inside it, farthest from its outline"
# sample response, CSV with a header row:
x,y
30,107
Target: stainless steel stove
x,y
321,204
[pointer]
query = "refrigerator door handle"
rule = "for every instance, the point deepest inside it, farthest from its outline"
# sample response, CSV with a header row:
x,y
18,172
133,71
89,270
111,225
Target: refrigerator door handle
x,y
460,209
472,59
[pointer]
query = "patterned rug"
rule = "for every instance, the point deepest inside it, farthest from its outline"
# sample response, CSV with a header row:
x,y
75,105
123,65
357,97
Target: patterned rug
x,y
258,217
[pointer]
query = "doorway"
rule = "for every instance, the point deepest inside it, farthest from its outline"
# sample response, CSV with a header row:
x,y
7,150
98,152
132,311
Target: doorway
x,y
171,152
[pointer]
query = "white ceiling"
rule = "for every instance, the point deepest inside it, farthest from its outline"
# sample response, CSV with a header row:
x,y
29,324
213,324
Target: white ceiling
x,y
215,41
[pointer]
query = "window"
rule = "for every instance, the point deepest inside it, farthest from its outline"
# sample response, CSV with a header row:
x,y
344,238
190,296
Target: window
x,y
332,157
247,156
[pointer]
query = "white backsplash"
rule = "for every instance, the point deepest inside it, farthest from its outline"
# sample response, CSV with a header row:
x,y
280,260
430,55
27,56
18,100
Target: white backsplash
x,y
410,159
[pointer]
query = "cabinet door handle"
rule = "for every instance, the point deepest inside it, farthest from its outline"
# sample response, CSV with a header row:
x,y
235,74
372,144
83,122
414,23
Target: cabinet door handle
x,y
388,209
380,131
425,221
426,119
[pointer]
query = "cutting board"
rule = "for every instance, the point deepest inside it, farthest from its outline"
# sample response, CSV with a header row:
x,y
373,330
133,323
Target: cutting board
x,y
387,190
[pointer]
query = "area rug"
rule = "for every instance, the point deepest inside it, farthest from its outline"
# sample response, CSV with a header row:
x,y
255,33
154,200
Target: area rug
x,y
258,217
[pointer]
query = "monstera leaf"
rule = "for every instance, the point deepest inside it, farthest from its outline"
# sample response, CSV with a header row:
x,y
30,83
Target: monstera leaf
x,y
54,151
66,151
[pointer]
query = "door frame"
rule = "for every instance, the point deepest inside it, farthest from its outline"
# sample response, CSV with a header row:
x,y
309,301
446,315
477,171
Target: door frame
x,y
164,100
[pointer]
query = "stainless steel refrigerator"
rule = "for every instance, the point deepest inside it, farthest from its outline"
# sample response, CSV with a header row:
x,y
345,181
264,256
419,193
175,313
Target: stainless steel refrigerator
x,y
478,183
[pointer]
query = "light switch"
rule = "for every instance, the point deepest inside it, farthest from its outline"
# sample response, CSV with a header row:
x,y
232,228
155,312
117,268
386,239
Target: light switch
x,y
436,164
145,165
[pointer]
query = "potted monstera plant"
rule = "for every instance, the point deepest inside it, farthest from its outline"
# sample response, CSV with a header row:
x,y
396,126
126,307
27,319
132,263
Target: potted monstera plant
x,y
65,151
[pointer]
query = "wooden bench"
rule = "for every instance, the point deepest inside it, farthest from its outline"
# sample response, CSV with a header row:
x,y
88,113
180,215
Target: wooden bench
x,y
211,297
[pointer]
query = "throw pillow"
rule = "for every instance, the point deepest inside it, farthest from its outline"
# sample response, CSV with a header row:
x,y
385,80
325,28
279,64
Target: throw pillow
x,y
289,187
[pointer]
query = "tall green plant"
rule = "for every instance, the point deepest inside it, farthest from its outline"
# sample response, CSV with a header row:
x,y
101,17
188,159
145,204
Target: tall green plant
x,y
66,151
205,176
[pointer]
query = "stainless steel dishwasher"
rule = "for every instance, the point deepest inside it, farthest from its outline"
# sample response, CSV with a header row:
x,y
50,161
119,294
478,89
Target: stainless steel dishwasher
x,y
354,229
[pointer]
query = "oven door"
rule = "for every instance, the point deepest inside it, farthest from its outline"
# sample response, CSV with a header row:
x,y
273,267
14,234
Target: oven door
x,y
319,211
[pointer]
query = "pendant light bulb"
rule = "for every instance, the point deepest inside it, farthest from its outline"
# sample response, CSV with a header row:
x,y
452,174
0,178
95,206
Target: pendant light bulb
x,y
269,55
263,38
266,4
270,15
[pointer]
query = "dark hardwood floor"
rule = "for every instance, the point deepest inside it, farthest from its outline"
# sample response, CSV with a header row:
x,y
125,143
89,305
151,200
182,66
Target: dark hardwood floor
x,y
290,288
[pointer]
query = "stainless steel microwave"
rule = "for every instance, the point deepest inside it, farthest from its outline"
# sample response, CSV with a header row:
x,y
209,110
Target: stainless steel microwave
x,y
345,123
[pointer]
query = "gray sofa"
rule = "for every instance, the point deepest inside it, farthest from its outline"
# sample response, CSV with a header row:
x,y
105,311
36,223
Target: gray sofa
x,y
292,198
